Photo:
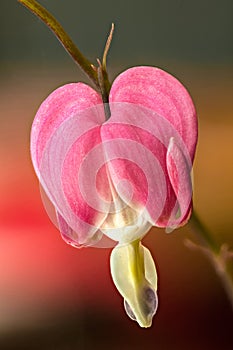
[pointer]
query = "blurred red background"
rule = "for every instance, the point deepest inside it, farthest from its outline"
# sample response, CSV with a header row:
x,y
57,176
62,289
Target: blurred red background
x,y
53,296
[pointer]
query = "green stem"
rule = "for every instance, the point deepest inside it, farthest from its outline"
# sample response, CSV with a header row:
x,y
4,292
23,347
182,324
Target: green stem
x,y
202,233
104,83
107,84
104,90
62,36
217,256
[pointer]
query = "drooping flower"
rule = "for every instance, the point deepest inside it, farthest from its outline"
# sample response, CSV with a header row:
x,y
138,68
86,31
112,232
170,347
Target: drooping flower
x,y
117,178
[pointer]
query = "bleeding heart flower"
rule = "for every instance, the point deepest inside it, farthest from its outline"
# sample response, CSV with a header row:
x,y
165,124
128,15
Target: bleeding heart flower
x,y
117,178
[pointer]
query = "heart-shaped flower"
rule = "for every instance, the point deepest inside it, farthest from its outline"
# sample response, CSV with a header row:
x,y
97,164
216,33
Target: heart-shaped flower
x,y
121,176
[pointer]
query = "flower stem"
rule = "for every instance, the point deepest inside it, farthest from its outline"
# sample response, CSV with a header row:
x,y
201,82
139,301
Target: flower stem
x,y
218,255
104,83
63,37
202,233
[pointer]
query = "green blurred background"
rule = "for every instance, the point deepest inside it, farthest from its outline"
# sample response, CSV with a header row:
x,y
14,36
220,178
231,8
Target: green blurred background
x,y
53,296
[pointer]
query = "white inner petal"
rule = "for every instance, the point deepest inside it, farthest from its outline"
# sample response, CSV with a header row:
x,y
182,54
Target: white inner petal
x,y
125,224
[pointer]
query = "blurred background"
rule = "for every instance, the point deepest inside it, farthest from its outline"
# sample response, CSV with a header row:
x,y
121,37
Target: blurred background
x,y
53,296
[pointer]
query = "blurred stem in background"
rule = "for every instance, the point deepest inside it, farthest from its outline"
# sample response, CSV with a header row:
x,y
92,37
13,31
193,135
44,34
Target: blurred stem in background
x,y
219,255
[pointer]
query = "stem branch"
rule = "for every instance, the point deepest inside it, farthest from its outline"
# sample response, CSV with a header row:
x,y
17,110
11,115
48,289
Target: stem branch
x,y
202,233
218,255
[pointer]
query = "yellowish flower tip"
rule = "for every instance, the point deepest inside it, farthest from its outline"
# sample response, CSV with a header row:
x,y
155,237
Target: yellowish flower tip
x,y
134,274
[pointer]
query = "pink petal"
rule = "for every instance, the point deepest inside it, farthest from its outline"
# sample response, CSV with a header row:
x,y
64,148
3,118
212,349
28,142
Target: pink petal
x,y
61,104
67,153
159,91
83,162
179,169
135,141
72,238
